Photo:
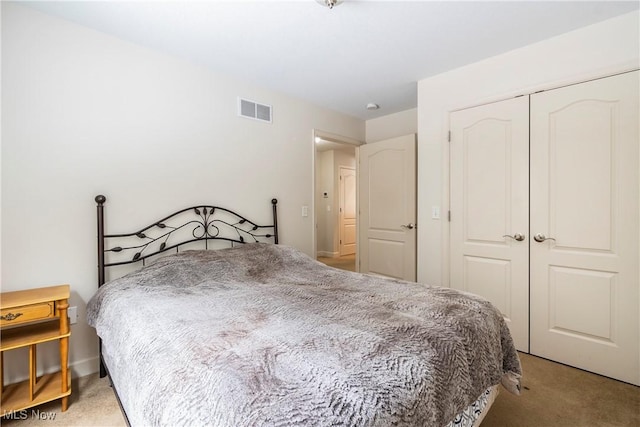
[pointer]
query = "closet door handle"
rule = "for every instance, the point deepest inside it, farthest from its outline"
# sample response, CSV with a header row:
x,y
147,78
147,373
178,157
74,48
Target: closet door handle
x,y
541,238
518,236
409,226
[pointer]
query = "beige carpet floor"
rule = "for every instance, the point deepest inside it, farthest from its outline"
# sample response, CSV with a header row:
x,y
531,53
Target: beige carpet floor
x,y
92,403
559,395
347,262
553,395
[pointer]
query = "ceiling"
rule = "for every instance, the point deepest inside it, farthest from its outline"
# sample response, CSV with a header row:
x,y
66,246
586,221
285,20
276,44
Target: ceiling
x,y
356,53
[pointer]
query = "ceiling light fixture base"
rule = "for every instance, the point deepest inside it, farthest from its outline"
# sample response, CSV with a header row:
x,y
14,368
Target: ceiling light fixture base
x,y
330,3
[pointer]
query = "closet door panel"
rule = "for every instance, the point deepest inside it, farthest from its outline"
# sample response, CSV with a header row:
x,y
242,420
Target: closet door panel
x,y
489,169
587,150
584,199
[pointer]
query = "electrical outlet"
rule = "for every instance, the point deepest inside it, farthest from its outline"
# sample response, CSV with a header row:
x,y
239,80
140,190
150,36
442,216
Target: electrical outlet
x,y
72,312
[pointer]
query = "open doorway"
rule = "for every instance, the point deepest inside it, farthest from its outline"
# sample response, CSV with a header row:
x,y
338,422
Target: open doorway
x,y
335,200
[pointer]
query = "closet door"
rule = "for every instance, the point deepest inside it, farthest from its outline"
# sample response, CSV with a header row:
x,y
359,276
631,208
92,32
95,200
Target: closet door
x,y
584,212
489,193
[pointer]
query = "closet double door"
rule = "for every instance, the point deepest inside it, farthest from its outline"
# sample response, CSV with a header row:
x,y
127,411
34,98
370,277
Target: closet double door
x,y
545,220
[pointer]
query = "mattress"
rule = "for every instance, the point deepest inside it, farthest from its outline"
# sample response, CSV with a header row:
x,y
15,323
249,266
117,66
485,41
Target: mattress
x,y
264,335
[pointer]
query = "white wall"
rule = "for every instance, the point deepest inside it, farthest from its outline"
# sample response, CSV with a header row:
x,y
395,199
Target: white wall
x,y
392,125
84,113
594,51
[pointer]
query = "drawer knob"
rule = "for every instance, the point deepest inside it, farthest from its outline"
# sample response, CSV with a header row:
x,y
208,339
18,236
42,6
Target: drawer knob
x,y
10,316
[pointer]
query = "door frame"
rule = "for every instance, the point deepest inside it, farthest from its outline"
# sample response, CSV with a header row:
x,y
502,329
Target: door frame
x,y
446,152
337,139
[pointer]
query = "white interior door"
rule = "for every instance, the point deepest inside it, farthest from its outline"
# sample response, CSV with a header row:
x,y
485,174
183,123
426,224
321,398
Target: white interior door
x,y
347,211
489,203
387,203
584,199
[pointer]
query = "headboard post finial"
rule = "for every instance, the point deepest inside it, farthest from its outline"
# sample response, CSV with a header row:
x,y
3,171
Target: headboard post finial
x,y
100,199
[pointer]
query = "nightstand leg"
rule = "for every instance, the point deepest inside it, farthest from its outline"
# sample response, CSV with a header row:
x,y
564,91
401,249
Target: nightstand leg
x,y
64,351
1,372
32,370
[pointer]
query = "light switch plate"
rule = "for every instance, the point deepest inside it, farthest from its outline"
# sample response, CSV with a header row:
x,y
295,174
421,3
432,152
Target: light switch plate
x,y
72,312
435,212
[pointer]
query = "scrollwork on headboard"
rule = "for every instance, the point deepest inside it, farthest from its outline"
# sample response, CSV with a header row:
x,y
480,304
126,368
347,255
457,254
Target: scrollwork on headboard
x,y
193,224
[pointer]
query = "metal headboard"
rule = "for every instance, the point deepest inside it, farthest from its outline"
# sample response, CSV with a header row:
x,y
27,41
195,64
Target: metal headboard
x,y
193,224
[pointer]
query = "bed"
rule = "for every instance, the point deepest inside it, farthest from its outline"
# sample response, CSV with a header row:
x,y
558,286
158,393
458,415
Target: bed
x,y
259,334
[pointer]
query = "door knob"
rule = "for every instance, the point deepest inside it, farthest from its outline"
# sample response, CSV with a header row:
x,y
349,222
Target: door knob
x,y
541,238
409,226
518,236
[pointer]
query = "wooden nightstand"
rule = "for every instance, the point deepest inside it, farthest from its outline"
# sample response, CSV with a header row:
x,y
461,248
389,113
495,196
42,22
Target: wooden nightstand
x,y
28,318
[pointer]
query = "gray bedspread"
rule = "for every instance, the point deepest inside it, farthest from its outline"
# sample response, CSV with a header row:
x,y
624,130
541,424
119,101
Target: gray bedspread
x,y
263,335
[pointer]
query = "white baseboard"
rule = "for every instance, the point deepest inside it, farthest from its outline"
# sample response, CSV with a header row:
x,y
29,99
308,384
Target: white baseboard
x,y
82,368
78,369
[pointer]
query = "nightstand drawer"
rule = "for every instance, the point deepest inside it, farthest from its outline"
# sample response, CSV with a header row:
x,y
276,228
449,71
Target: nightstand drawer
x,y
27,313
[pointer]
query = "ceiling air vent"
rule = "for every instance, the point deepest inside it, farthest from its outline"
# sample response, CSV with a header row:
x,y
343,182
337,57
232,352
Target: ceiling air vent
x,y
253,110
